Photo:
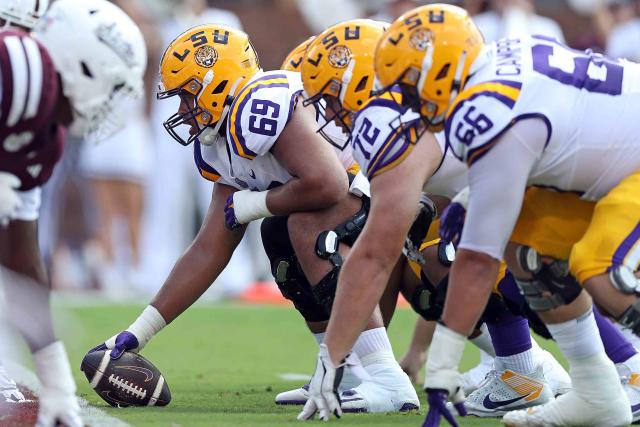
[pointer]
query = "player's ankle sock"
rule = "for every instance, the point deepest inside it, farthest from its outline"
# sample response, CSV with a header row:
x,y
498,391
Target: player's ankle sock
x,y
373,346
616,346
319,337
591,370
483,342
512,343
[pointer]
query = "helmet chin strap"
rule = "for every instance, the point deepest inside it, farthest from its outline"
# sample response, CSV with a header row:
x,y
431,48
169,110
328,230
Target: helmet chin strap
x,y
346,79
210,137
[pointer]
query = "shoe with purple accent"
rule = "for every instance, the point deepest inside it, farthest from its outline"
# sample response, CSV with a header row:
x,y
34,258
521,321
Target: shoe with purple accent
x,y
296,396
505,391
630,379
388,390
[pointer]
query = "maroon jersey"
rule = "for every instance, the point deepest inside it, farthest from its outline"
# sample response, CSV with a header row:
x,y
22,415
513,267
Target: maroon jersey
x,y
30,142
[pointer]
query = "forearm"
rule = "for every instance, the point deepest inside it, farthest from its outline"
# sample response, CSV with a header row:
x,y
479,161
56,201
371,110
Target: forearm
x,y
300,195
361,285
470,283
422,335
191,276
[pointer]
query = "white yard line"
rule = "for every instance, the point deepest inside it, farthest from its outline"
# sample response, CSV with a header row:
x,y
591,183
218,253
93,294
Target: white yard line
x,y
92,416
293,376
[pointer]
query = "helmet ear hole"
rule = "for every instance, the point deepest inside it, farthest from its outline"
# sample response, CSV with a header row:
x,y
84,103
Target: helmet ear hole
x,y
220,87
443,71
85,70
362,84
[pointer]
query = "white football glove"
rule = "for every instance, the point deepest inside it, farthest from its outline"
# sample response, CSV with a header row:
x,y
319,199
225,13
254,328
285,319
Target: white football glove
x,y
323,389
57,401
57,408
9,199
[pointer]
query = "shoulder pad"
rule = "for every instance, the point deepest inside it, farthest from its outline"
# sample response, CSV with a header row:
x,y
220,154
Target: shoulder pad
x,y
478,116
261,111
29,83
384,133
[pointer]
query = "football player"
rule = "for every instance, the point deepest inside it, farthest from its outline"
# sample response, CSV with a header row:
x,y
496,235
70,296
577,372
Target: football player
x,y
425,158
23,15
465,86
325,81
81,57
257,142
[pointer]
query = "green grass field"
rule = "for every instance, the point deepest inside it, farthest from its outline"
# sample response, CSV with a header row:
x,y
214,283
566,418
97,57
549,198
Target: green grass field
x,y
222,363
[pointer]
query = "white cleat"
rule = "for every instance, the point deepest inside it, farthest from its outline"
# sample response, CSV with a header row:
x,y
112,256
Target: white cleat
x,y
630,379
388,390
471,379
556,376
505,391
9,390
298,396
571,409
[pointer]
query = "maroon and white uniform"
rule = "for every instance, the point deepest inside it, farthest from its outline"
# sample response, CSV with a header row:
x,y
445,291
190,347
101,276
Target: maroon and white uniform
x,y
31,142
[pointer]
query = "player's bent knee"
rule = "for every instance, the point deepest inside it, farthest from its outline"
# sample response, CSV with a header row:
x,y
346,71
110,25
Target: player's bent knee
x,y
325,290
286,271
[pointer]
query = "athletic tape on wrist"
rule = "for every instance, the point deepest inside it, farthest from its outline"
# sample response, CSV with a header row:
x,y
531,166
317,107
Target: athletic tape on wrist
x,y
250,205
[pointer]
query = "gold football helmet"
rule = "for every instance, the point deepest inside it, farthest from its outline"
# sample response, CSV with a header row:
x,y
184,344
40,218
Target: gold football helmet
x,y
293,61
338,68
206,66
428,51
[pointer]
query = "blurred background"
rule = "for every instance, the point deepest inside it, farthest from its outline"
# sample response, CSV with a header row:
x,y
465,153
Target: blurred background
x,y
117,215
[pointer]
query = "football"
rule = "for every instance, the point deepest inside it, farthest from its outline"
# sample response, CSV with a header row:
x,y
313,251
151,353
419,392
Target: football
x,y
130,380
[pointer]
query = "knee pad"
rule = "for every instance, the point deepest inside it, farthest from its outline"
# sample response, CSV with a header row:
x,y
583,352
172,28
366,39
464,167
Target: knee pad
x,y
551,285
294,286
325,291
286,271
428,300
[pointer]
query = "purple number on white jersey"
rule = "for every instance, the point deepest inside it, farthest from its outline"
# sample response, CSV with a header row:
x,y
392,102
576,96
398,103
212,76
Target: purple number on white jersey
x,y
583,70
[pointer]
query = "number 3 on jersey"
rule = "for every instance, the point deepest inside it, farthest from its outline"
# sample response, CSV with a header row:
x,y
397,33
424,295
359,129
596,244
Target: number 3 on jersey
x,y
265,113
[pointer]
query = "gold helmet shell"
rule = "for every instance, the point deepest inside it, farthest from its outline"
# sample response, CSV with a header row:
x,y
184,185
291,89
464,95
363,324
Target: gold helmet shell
x,y
429,51
206,66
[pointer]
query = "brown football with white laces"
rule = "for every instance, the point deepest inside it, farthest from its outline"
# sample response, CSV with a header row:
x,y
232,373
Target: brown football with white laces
x,y
130,380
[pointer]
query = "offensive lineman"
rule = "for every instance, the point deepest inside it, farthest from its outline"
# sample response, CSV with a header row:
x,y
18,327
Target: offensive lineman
x,y
478,114
83,55
258,144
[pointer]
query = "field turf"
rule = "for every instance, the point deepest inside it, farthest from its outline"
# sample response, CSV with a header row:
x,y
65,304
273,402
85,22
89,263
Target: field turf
x,y
223,364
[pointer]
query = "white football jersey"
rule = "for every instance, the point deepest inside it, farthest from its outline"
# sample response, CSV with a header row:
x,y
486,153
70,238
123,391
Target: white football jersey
x,y
256,119
379,146
588,103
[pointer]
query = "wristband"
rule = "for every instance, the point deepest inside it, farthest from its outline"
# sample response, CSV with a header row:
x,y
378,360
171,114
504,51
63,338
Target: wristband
x,y
149,323
250,205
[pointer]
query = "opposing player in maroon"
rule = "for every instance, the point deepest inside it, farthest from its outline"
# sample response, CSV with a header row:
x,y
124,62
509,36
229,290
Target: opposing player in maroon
x,y
81,57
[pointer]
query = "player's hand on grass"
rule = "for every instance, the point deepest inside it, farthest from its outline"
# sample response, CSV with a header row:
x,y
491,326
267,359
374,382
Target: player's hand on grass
x,y
324,398
437,400
412,362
